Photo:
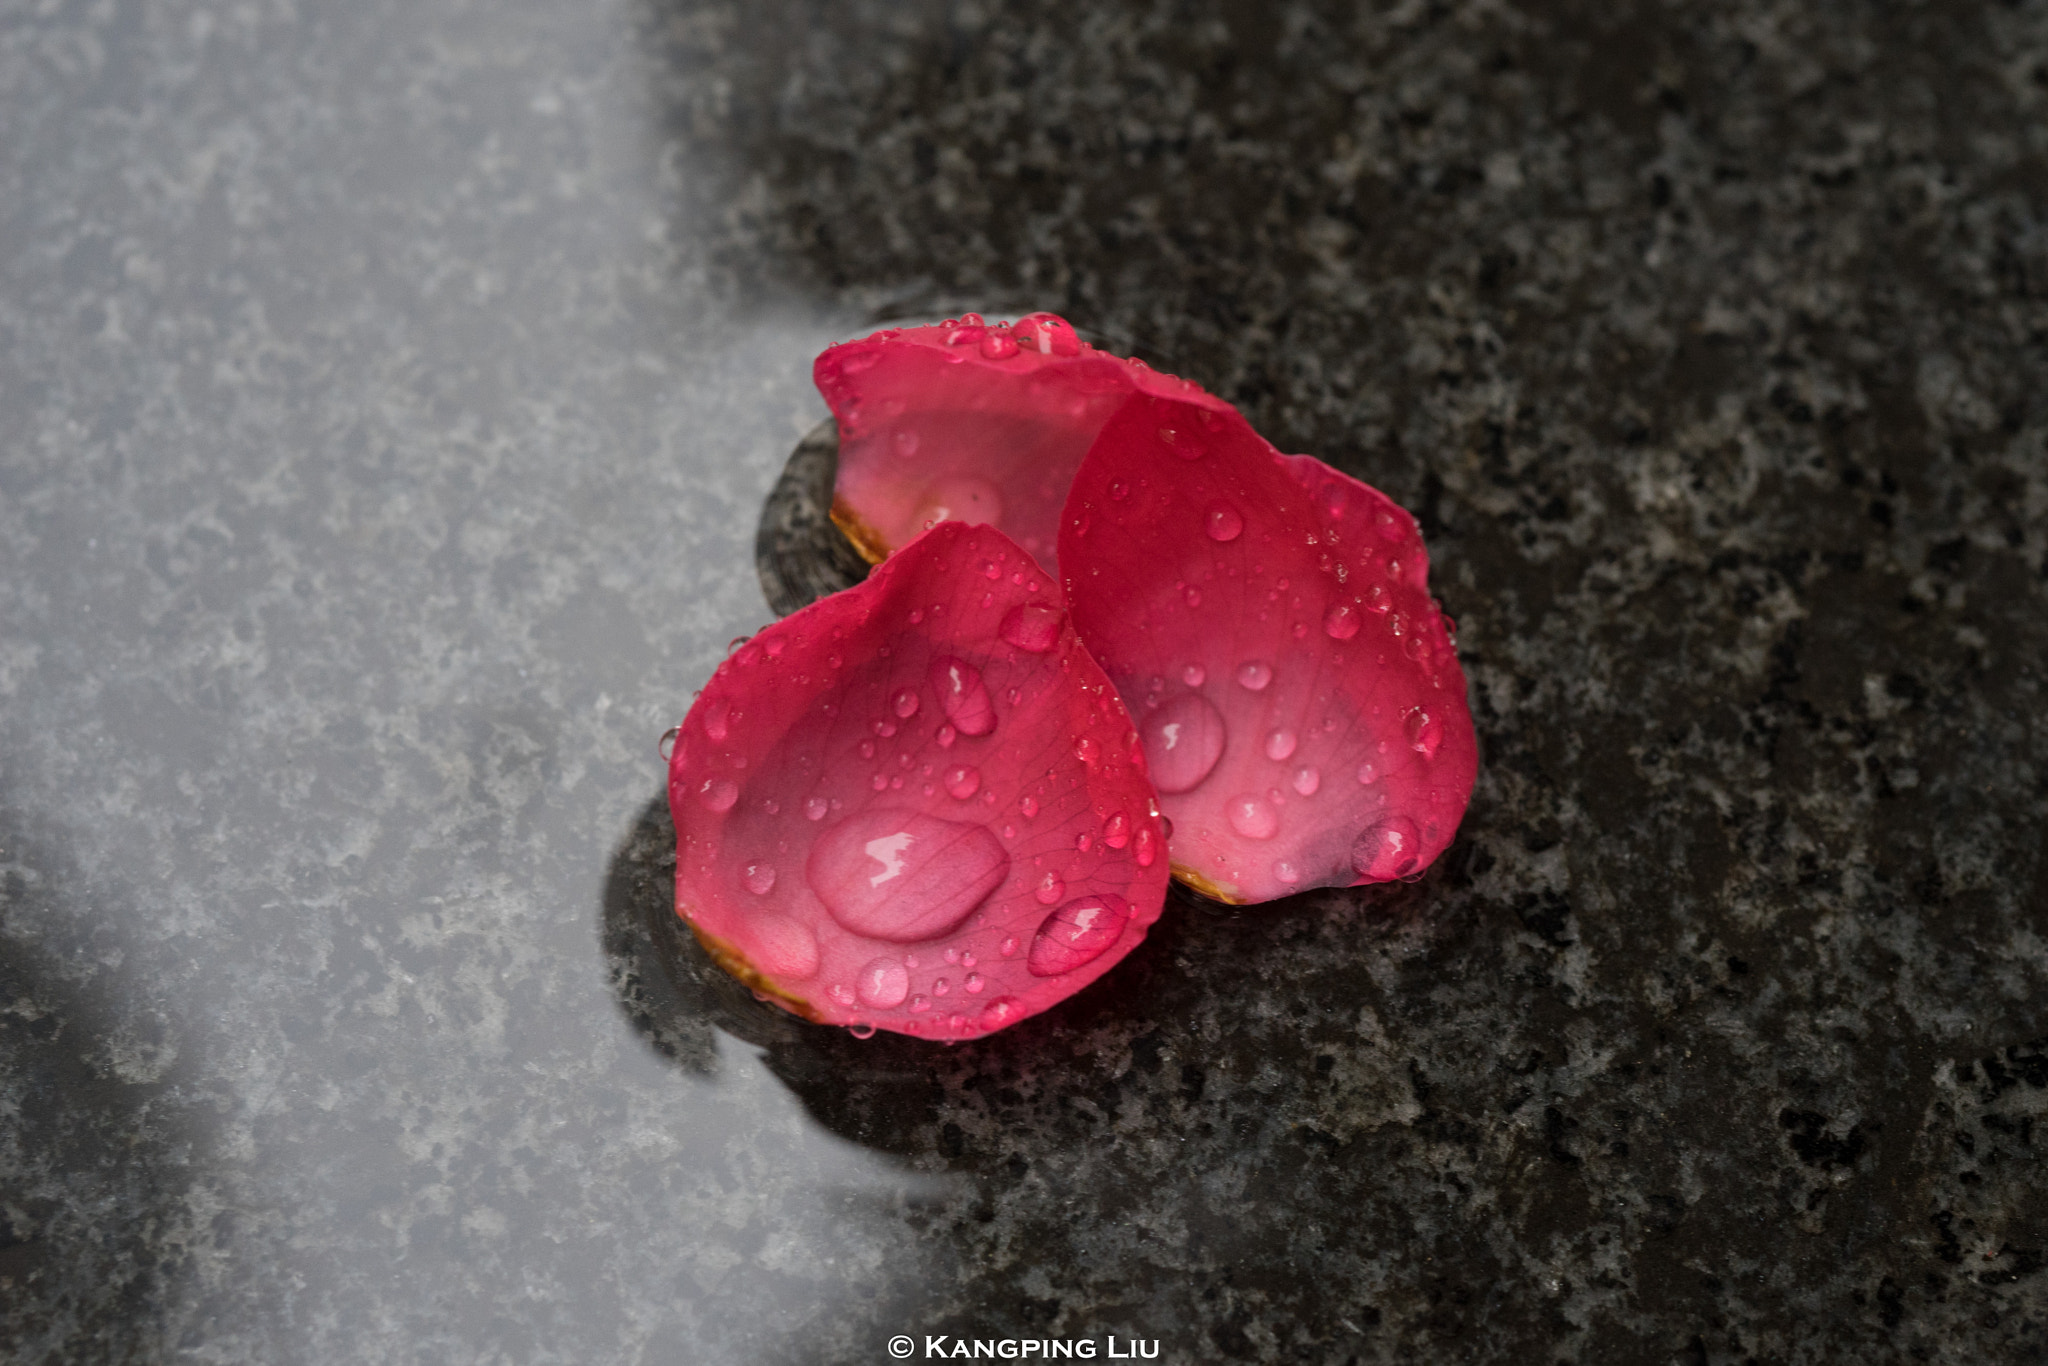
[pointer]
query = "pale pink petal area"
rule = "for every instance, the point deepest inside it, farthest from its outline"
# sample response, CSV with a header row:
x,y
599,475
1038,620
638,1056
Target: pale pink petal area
x,y
1269,622
970,422
918,804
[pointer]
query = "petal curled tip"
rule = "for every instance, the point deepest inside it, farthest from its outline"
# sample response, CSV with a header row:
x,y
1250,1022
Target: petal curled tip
x,y
970,422
916,805
1268,622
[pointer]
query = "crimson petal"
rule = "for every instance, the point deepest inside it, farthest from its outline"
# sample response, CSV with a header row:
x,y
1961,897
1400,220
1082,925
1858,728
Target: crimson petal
x,y
971,423
1269,623
883,801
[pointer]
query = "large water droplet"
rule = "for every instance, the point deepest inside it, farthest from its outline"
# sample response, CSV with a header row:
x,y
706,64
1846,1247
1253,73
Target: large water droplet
x,y
904,876
963,781
883,983
1425,733
1280,744
780,947
1031,626
758,878
1183,739
962,695
961,498
1341,621
904,704
1223,522
1254,674
718,794
1077,933
1388,849
1049,889
1253,817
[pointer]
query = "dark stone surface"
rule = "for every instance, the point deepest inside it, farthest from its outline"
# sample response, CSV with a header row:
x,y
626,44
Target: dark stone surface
x,y
391,391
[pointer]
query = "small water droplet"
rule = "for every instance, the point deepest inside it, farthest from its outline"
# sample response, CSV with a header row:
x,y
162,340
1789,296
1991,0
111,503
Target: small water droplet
x,y
814,809
842,993
1008,948
1049,889
880,782
1341,621
920,1004
1116,831
717,712
1119,490
1193,597
962,781
668,742
1388,849
1088,750
1368,774
883,983
718,794
1032,627
1280,744
999,1012
1029,806
1194,675
1306,781
941,987
1254,675
866,748
1084,841
905,443
758,878
1223,522
974,984
946,736
1425,733
1253,817
962,695
1286,874
885,729
1145,847
998,345
904,703
862,1030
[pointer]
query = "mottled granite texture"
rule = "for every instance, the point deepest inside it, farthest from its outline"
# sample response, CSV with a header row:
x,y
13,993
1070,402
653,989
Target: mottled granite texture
x,y
390,389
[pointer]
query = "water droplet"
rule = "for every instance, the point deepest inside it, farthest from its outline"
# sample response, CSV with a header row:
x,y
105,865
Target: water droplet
x,y
1341,621
718,794
814,809
1076,934
1368,774
1031,626
1049,889
1193,597
861,1030
842,993
920,1004
1088,750
1223,522
998,345
1029,806
758,878
1280,744
962,695
1253,817
904,704
1116,831
1186,445
1119,490
1145,846
960,498
866,748
941,987
1008,948
1286,874
1254,675
1388,849
1001,1011
1194,675
1425,733
968,960
880,782
1183,739
962,781
904,876
885,729
1306,781
883,983
946,736
717,712
668,742
1084,841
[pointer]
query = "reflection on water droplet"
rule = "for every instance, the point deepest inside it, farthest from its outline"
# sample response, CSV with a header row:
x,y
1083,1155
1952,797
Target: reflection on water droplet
x,y
1031,626
1076,934
718,794
1253,817
1223,522
904,876
1254,675
1194,675
962,696
1425,733
1183,739
1280,744
1388,849
758,878
883,983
